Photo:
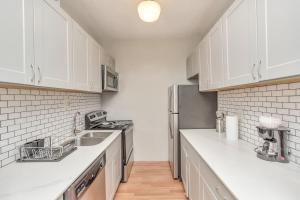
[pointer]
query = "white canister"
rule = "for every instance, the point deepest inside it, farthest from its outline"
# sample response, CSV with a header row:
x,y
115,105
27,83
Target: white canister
x,y
232,127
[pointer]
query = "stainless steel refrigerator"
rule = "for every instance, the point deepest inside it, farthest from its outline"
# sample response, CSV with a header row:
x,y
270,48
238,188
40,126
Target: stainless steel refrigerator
x,y
188,109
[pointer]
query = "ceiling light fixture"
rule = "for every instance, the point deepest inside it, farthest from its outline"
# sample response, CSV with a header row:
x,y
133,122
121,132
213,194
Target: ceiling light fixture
x,y
149,10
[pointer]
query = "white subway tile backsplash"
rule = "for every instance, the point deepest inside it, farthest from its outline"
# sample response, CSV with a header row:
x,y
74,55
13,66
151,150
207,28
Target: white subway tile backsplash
x,y
282,101
27,114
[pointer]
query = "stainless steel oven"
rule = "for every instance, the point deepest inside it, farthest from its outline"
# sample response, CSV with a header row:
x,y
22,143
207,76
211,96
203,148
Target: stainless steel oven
x,y
127,138
110,79
96,120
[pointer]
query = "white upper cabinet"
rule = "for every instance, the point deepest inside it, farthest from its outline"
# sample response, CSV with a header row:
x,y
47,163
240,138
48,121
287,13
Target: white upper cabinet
x,y
94,66
42,46
258,40
204,73
106,59
16,41
80,58
189,64
279,25
216,56
193,64
240,30
52,45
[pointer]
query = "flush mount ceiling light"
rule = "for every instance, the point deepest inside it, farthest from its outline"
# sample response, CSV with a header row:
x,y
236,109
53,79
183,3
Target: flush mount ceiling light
x,y
149,10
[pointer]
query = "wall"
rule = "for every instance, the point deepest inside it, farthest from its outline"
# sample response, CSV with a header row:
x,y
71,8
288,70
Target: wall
x,y
282,101
146,69
28,114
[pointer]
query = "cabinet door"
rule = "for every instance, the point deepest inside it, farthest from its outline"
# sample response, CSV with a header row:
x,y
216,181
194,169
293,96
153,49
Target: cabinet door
x,y
189,67
104,57
80,58
240,30
16,41
279,25
52,45
113,168
112,62
195,183
204,65
94,67
117,170
196,61
207,193
216,57
109,179
184,168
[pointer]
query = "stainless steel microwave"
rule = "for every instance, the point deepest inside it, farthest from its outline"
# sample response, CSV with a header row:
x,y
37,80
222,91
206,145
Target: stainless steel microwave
x,y
110,79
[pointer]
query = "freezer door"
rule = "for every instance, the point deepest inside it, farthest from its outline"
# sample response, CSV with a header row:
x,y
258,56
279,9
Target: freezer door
x,y
173,99
173,144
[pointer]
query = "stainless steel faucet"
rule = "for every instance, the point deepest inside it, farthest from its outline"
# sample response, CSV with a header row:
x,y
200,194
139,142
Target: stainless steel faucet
x,y
75,129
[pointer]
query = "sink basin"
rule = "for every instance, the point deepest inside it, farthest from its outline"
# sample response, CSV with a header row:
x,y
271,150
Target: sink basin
x,y
88,141
97,135
92,138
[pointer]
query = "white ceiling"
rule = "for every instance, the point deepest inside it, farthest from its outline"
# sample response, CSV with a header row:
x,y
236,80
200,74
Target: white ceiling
x,y
109,20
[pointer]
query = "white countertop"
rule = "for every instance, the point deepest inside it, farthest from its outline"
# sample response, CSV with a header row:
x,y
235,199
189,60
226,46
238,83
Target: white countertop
x,y
245,175
48,181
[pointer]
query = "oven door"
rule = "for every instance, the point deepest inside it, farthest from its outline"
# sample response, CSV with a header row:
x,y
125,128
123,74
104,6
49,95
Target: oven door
x,y
110,79
127,152
128,143
127,167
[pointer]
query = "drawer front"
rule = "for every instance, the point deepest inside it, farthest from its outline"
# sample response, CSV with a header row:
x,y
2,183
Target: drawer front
x,y
215,184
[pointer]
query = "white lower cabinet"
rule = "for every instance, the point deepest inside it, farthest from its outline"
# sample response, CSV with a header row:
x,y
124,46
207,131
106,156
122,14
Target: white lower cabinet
x,y
113,168
195,181
198,179
184,169
208,194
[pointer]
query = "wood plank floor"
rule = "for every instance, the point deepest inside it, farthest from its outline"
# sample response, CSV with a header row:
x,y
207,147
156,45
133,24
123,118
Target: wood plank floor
x,y
151,181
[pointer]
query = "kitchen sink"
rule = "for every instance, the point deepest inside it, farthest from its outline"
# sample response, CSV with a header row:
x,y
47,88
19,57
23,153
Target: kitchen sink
x,y
87,141
97,135
92,138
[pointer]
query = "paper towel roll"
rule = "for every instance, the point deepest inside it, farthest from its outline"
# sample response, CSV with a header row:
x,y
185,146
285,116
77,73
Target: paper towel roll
x,y
232,127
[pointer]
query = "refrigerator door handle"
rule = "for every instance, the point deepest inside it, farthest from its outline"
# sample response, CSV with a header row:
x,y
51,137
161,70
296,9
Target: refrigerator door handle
x,y
170,127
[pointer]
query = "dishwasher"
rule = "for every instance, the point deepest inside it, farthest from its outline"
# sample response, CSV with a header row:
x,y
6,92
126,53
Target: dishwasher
x,y
91,184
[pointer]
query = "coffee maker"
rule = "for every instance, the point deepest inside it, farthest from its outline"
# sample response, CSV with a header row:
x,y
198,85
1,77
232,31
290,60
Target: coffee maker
x,y
274,147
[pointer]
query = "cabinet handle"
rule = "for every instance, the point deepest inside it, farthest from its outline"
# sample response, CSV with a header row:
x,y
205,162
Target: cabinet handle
x,y
40,75
33,74
252,72
258,69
